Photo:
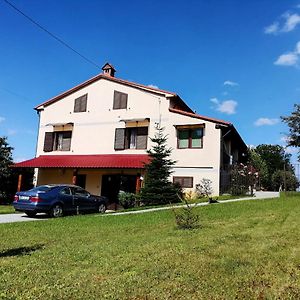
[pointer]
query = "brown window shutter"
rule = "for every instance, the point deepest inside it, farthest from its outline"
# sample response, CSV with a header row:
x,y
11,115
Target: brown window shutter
x,y
66,146
124,100
80,104
48,142
141,137
117,100
120,100
187,182
120,139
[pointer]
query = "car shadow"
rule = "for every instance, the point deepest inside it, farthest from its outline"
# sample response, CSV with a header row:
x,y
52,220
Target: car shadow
x,y
39,216
21,251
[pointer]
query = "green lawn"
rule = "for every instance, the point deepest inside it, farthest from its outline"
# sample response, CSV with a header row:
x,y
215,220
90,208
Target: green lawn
x,y
244,250
6,209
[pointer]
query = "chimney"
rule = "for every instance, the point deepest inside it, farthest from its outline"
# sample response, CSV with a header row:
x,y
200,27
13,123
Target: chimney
x,y
109,70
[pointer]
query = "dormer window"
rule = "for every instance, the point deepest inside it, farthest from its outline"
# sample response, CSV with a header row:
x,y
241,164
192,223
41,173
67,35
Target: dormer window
x,y
120,100
80,104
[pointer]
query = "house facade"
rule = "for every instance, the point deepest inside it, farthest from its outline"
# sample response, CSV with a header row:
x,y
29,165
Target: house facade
x,y
97,133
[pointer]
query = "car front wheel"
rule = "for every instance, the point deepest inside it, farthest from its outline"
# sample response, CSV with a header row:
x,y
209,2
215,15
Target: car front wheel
x,y
56,211
101,208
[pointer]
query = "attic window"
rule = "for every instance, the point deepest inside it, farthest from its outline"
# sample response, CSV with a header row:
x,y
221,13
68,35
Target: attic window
x,y
120,100
80,104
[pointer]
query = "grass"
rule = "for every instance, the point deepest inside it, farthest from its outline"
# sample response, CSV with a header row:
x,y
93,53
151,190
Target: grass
x,y
243,250
6,209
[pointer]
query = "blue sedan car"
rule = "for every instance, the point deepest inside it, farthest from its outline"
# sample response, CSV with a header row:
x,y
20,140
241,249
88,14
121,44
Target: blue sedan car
x,y
57,200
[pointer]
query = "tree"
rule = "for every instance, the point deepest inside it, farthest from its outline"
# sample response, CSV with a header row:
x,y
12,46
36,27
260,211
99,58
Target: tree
x,y
5,170
157,187
256,161
293,122
284,179
275,158
9,175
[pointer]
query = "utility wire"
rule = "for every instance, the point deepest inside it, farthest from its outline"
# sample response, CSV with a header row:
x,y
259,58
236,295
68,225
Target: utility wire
x,y
51,34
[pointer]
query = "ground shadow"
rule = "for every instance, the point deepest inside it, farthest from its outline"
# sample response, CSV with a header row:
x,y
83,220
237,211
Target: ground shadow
x,y
38,216
21,251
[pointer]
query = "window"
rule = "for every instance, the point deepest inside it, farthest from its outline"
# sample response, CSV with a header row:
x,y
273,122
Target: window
x,y
57,141
120,100
131,138
80,104
66,191
190,138
184,182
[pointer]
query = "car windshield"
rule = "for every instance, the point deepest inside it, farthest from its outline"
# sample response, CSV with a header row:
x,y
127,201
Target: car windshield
x,y
42,188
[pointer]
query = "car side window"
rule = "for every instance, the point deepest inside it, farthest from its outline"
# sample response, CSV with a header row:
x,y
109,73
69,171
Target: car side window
x,y
81,192
66,191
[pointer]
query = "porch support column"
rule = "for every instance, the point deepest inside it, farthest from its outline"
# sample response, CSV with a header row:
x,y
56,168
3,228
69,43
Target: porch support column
x,y
19,183
74,178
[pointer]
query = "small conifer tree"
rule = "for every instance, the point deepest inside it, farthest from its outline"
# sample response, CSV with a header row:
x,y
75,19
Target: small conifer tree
x,y
157,187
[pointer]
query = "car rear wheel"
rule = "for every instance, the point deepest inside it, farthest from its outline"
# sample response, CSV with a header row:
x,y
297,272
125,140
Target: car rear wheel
x,y
56,211
101,208
30,213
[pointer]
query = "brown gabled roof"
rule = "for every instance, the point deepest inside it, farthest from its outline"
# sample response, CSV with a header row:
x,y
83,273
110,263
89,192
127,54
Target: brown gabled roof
x,y
106,77
194,115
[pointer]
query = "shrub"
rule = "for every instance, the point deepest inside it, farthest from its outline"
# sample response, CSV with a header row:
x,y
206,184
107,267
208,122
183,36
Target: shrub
x,y
186,217
127,200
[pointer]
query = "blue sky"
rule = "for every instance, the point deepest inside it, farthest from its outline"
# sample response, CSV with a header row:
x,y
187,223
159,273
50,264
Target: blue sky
x,y
229,59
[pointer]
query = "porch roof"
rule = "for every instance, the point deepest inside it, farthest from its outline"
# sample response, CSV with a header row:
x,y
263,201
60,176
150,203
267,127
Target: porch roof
x,y
128,161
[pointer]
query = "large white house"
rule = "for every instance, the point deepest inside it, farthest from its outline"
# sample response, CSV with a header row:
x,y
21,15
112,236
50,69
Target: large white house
x,y
97,133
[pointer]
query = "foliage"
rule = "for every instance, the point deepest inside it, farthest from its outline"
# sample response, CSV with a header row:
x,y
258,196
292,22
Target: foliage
x,y
157,187
9,176
127,200
242,177
260,165
287,179
244,250
272,159
204,188
293,122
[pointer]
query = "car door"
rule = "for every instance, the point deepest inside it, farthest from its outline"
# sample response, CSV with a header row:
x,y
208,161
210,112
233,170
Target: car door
x,y
67,198
83,199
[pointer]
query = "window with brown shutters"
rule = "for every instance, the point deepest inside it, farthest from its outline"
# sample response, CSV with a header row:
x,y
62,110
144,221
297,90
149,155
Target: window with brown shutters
x,y
120,139
48,141
80,104
120,100
183,181
131,138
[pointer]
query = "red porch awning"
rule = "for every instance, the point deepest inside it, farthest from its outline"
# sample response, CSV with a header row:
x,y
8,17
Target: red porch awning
x,y
127,161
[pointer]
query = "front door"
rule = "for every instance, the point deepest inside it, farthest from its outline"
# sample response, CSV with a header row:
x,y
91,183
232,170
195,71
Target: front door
x,y
113,184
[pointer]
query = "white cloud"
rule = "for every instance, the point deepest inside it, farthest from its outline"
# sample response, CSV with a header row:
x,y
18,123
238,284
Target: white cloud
x,y
288,59
153,86
230,83
291,21
272,29
288,22
2,119
266,121
226,107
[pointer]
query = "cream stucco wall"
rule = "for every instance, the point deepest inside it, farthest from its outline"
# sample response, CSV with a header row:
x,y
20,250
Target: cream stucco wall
x,y
94,131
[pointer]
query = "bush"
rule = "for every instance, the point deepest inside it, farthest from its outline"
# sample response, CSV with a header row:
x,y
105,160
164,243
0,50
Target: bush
x,y
127,200
186,217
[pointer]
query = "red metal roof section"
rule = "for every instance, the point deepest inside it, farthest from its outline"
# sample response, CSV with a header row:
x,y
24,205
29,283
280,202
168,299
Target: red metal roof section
x,y
126,161
193,115
96,78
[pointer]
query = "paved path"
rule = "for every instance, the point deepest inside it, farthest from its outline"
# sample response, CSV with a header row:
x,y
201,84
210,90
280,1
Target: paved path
x,y
12,218
258,195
